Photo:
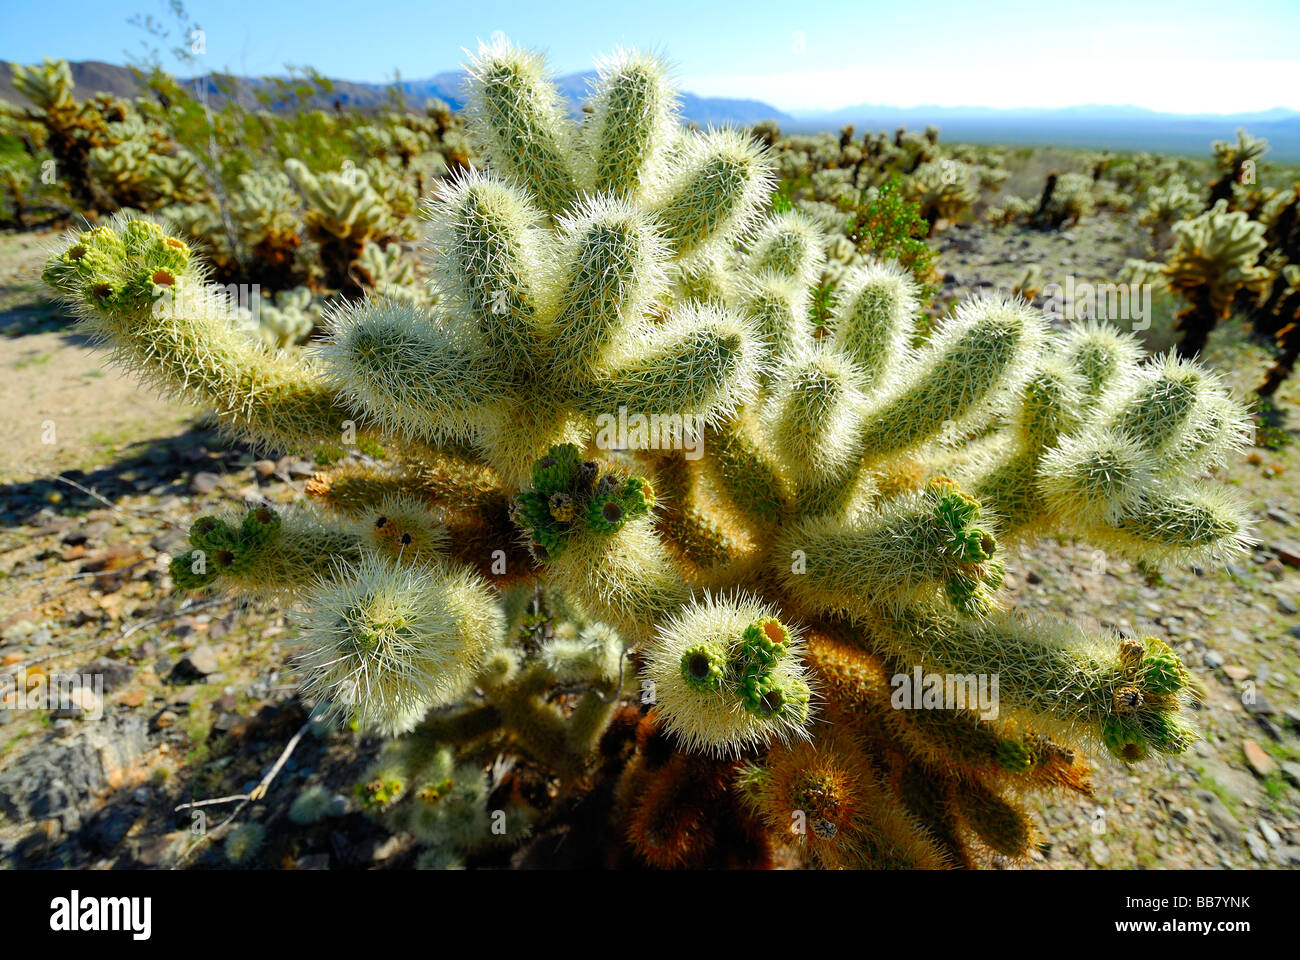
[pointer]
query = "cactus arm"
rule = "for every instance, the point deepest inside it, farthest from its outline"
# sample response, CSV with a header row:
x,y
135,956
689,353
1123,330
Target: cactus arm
x,y
701,361
265,554
632,123
521,124
921,544
1072,685
415,379
960,378
139,290
617,273
714,192
489,252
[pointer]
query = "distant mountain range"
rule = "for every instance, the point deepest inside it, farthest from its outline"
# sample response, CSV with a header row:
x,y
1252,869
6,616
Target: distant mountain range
x,y
93,76
1087,127
1090,127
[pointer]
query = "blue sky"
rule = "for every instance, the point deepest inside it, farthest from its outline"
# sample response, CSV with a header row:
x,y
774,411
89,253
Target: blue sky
x,y
1186,56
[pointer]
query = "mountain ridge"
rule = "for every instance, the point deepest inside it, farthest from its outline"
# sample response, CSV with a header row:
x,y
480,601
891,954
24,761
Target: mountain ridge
x,y
1087,126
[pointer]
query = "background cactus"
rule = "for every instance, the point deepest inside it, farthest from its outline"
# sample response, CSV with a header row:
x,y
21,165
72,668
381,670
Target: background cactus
x,y
520,575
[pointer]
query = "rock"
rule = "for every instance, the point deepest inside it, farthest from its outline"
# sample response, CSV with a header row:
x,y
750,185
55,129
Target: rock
x,y
1259,706
1268,833
1287,552
227,722
1237,672
264,468
1238,571
162,720
162,851
205,482
1287,605
1291,770
115,673
108,825
173,543
1100,852
1259,761
1269,727
1258,849
1292,717
1278,516
387,848
1032,577
1289,855
314,861
56,780
19,630
202,660
79,701
1212,659
1218,814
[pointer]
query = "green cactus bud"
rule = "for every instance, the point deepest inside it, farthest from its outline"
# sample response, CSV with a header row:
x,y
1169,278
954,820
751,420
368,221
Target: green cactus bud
x,y
1162,673
753,707
704,666
1015,756
1124,739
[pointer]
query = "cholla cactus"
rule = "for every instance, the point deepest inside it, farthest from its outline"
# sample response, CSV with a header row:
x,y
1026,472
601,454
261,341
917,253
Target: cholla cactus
x,y
286,318
1065,199
1167,204
1214,257
345,215
1233,161
943,188
1008,210
842,527
70,130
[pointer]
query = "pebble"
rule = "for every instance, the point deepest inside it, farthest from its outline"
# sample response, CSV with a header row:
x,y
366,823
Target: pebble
x,y
1287,552
1100,852
205,482
202,660
1257,848
1287,605
1220,816
1212,659
1259,761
